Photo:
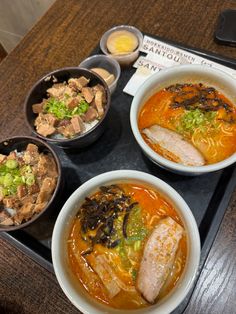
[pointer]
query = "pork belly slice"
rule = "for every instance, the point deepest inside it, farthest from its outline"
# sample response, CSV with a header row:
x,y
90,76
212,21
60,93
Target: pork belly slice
x,y
32,148
31,155
5,219
24,213
38,108
78,83
67,131
88,94
45,124
11,202
77,124
2,158
99,103
100,88
158,258
21,191
45,129
105,273
90,115
73,102
59,90
46,190
174,143
46,166
56,90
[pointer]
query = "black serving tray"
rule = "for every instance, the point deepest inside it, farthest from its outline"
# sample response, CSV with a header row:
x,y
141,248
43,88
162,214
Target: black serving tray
x,y
207,195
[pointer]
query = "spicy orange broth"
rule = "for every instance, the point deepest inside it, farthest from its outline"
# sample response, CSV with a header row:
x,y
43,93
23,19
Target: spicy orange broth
x,y
157,111
150,202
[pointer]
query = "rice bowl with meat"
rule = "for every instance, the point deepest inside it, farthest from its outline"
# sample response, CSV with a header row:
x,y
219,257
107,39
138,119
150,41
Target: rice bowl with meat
x,y
68,107
29,181
72,108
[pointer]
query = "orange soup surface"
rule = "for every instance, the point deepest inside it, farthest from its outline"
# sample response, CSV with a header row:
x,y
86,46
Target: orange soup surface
x,y
97,235
202,115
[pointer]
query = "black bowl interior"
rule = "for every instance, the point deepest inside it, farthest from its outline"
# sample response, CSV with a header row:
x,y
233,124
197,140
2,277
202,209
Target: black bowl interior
x,y
39,91
20,144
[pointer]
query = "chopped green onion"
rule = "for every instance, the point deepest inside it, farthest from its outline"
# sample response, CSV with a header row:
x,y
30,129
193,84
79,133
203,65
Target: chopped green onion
x,y
137,245
3,191
83,107
60,110
1,180
17,180
57,108
194,119
2,169
30,179
11,164
8,179
28,169
12,190
74,111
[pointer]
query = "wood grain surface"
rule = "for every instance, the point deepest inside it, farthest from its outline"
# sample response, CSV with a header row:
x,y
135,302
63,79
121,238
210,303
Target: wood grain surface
x,y
215,291
26,287
64,37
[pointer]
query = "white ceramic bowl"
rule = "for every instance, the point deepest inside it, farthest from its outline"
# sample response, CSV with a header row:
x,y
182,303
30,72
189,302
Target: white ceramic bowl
x,y
76,294
209,76
126,59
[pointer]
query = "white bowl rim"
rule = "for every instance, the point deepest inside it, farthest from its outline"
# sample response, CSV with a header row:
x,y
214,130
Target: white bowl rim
x,y
155,156
194,250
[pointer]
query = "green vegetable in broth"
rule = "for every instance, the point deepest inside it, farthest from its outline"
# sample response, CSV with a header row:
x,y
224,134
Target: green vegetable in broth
x,y
130,247
194,119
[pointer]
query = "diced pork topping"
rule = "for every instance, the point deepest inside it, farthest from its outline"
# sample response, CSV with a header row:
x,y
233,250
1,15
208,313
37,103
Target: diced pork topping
x,y
88,94
98,103
27,182
78,83
90,115
77,124
69,107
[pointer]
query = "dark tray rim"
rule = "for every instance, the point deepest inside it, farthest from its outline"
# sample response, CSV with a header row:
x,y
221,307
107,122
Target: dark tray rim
x,y
219,202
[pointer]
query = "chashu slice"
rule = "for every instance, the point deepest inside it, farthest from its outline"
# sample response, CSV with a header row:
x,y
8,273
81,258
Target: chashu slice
x,y
174,143
158,258
105,273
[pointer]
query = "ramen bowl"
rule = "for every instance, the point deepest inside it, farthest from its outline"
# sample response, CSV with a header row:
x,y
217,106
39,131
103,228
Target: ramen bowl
x,y
208,76
68,281
39,92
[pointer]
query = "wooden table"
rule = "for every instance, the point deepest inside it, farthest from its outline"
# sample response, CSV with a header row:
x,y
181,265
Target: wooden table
x,y
64,37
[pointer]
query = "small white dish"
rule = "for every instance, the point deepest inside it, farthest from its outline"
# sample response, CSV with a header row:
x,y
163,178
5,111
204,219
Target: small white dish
x,y
123,59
